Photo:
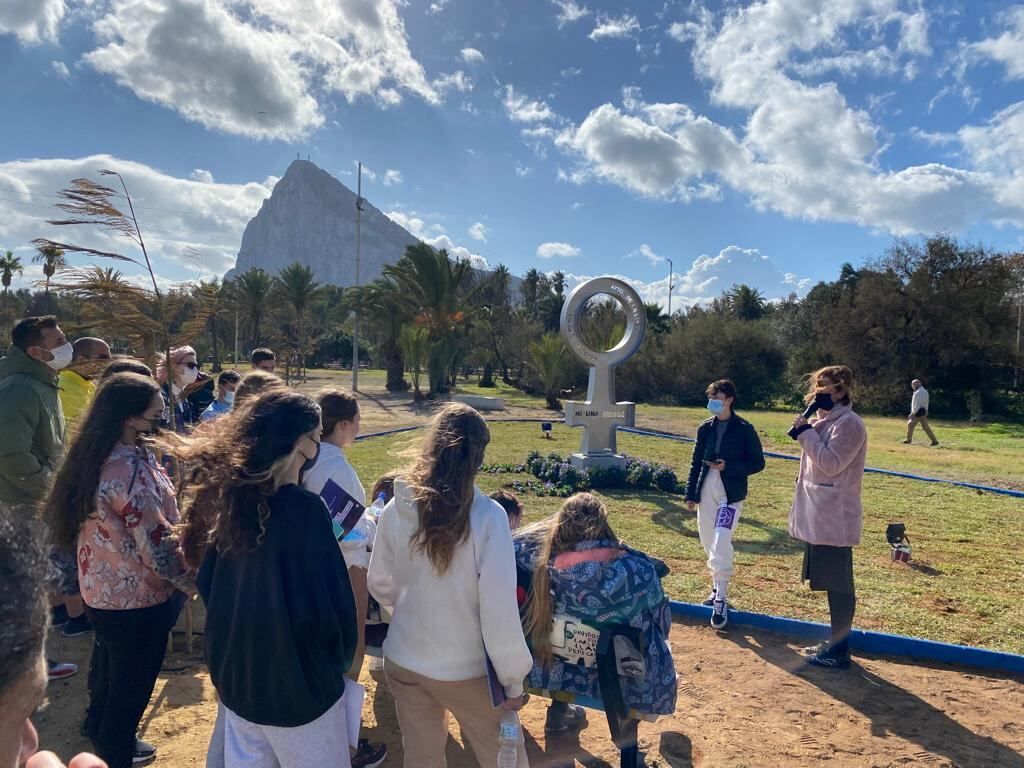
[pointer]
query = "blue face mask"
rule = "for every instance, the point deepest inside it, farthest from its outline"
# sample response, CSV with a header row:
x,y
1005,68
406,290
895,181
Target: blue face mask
x,y
716,406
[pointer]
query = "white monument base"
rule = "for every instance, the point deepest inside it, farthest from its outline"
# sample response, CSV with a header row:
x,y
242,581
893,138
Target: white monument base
x,y
600,460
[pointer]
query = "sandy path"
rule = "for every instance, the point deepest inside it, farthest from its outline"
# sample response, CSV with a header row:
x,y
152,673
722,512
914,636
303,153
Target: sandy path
x,y
745,699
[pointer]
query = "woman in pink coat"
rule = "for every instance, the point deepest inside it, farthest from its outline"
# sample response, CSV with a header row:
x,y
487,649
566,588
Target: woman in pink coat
x,y
826,512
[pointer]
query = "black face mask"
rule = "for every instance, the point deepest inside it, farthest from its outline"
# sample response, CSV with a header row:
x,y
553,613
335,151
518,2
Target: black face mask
x,y
308,464
154,426
823,401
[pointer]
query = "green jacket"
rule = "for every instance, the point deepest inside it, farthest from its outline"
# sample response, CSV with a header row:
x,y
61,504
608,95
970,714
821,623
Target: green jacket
x,y
31,428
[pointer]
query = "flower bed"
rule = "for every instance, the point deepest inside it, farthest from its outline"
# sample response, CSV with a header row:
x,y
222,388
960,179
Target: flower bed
x,y
555,476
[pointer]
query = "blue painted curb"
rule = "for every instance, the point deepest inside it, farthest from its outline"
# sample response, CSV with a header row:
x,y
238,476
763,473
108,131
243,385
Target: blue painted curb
x,y
863,640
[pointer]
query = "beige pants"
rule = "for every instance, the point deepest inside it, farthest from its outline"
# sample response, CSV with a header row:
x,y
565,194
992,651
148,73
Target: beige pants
x,y
913,421
362,599
423,706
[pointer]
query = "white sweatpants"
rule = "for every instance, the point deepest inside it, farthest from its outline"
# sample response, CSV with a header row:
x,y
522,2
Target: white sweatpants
x,y
237,743
716,521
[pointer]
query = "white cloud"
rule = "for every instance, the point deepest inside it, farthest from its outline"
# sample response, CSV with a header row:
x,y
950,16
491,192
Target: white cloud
x,y
522,171
60,69
557,251
708,276
478,232
471,55
753,57
522,110
175,213
456,81
32,21
571,72
201,174
392,177
614,27
648,253
434,235
569,11
259,67
1008,48
437,6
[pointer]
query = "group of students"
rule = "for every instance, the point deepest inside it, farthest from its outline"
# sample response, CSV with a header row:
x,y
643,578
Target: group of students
x,y
286,605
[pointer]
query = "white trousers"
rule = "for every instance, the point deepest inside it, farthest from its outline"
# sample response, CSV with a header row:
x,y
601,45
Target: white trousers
x,y
716,522
237,743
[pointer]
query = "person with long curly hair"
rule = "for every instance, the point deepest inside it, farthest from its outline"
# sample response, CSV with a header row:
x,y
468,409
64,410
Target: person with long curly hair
x,y
280,617
443,560
114,505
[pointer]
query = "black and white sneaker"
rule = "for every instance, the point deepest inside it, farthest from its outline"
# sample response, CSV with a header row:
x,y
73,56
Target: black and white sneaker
x,y
711,598
58,616
719,614
814,650
144,752
369,755
572,718
829,660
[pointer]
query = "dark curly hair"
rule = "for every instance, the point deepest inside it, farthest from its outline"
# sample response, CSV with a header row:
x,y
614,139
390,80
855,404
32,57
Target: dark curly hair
x,y
238,468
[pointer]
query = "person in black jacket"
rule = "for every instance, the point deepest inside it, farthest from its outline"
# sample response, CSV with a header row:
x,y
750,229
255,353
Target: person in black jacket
x,y
727,451
281,624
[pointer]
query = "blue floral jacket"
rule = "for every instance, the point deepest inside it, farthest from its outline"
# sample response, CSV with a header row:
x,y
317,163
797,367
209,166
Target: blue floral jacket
x,y
626,590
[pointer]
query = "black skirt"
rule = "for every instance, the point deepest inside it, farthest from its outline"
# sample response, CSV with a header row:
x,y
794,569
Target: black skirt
x,y
828,568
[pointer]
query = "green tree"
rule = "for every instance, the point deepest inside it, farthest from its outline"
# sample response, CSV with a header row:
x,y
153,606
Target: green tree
x,y
297,285
9,265
52,259
745,302
433,289
415,343
547,355
382,312
253,294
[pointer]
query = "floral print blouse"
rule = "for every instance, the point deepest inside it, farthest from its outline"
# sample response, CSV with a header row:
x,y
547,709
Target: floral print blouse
x,y
128,555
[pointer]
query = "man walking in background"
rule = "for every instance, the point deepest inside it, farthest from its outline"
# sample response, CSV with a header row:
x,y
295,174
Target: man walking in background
x,y
32,441
90,357
919,412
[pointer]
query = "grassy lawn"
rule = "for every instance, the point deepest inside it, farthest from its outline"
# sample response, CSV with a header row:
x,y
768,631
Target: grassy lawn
x,y
965,585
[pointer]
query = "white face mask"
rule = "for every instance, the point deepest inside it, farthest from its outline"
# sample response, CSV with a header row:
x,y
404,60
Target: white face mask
x,y
61,356
229,398
189,376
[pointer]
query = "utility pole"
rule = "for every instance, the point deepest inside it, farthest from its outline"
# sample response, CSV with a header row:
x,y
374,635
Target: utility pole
x,y
669,289
236,332
1016,368
355,320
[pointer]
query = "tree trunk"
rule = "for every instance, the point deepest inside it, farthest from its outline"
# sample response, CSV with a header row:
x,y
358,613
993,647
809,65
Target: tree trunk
x,y
394,365
488,377
216,346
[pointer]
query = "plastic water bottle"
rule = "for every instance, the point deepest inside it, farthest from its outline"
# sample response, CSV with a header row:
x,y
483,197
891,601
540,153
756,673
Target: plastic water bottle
x,y
377,507
510,736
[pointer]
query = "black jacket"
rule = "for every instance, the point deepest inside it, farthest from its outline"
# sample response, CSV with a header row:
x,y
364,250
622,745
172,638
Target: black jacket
x,y
741,451
280,620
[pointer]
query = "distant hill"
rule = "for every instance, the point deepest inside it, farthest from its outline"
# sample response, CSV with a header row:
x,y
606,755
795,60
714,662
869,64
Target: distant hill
x,y
310,218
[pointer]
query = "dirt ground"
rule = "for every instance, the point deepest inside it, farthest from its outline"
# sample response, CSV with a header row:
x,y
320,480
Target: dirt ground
x,y
746,700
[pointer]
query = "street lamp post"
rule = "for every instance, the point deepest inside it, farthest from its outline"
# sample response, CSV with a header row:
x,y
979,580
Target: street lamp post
x,y
669,288
355,321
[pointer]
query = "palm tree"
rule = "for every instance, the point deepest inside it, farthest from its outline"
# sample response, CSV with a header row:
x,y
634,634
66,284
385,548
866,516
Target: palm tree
x,y
415,343
298,287
384,315
745,302
546,355
432,288
657,321
531,290
52,259
213,297
254,289
9,264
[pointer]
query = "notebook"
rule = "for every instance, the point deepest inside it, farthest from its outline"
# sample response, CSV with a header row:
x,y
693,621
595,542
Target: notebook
x,y
342,508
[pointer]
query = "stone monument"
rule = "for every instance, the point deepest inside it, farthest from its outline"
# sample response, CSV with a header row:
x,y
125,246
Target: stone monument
x,y
601,415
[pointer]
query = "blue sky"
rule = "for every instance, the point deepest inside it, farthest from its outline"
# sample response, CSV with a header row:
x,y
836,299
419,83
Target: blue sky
x,y
763,142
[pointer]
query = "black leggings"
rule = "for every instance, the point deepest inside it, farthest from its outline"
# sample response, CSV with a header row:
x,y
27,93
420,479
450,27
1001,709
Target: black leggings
x,y
126,658
841,607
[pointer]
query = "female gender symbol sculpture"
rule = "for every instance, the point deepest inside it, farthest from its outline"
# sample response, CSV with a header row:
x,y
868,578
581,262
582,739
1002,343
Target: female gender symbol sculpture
x,y
601,415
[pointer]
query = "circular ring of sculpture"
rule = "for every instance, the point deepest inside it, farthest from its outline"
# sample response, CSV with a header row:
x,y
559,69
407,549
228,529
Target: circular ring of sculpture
x,y
636,320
